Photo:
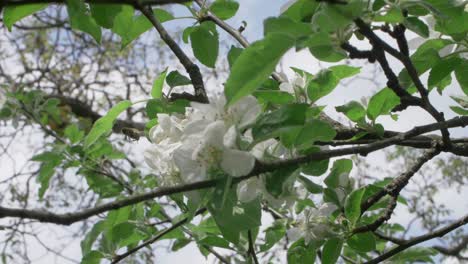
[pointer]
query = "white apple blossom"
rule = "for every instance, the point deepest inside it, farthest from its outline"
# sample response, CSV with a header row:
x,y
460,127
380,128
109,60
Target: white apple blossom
x,y
169,127
187,149
160,157
296,86
314,224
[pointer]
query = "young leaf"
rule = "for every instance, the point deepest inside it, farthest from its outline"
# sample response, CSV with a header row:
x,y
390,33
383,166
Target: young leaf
x,y
299,252
129,27
353,205
81,20
233,54
271,124
353,110
462,78
287,26
255,64
331,250
14,13
104,124
382,103
174,79
104,14
417,26
158,84
339,167
310,185
205,43
50,160
362,242
224,9
315,130
441,70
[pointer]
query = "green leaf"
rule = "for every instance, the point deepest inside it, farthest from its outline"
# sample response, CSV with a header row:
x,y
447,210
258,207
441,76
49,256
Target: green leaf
x,y
104,124
362,242
459,110
394,15
353,205
414,254
315,167
254,65
382,103
301,10
274,96
233,54
331,250
322,84
326,80
344,71
273,234
353,110
315,130
232,216
205,43
93,257
299,253
417,26
91,236
323,48
14,13
174,79
441,70
278,181
273,123
81,20
339,167
104,14
73,133
287,26
50,160
158,84
180,243
129,27
224,9
462,77
310,185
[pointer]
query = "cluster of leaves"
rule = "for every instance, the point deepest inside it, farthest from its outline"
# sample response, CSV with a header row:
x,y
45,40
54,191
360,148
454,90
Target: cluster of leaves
x,y
296,124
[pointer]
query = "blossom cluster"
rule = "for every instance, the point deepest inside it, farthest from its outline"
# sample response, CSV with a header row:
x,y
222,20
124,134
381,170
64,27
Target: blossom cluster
x,y
318,224
209,139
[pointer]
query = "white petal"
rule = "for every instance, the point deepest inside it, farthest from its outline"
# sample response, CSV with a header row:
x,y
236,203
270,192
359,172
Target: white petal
x,y
230,138
327,209
237,163
248,190
245,111
190,170
294,233
286,87
259,150
299,81
214,134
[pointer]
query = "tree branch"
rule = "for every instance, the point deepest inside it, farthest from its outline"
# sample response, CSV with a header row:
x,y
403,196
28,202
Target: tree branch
x,y
70,218
119,258
4,3
414,241
191,68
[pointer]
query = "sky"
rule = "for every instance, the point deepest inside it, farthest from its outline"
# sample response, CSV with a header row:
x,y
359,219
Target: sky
x,y
254,12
